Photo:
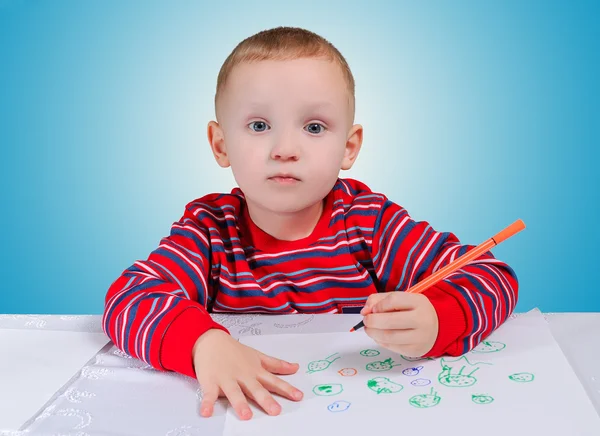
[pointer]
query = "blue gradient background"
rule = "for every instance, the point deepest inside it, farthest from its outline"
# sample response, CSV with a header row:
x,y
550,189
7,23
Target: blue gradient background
x,y
474,114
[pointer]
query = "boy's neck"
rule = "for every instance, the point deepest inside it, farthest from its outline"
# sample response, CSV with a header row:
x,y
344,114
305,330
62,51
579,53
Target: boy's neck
x,y
286,226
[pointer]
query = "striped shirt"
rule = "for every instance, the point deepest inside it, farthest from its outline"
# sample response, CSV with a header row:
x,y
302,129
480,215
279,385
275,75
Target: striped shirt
x,y
217,260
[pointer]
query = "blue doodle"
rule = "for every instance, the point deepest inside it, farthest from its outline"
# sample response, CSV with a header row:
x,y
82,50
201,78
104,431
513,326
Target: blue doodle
x,y
339,406
421,382
412,371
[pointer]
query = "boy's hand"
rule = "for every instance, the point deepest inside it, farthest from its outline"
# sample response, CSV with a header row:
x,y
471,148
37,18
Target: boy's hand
x,y
402,322
225,367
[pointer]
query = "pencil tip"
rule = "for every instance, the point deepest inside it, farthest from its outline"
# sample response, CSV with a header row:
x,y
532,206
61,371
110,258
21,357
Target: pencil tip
x,y
352,329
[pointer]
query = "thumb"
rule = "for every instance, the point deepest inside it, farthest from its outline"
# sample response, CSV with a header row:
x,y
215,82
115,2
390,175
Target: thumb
x,y
277,366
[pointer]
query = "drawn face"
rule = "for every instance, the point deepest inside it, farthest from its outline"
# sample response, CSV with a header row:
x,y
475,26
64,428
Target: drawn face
x,y
369,353
420,382
383,385
522,377
328,390
457,380
482,399
384,365
425,400
489,347
412,359
347,372
339,406
412,371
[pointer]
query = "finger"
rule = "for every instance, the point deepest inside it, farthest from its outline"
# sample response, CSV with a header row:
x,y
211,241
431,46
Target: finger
x,y
278,366
391,320
398,301
397,337
280,387
237,399
372,300
209,397
261,396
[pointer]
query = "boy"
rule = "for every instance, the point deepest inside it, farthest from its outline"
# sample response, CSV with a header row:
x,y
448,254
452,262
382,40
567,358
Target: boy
x,y
294,238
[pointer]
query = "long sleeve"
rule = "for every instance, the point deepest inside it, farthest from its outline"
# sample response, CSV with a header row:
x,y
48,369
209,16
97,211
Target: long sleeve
x,y
157,308
471,303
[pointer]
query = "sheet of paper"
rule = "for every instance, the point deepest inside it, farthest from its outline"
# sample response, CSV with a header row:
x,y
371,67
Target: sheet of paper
x,y
34,365
516,382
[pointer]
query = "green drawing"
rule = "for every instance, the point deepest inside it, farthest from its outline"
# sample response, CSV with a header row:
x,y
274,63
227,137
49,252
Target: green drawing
x,y
522,377
383,385
369,353
320,365
384,365
458,380
482,399
328,390
489,347
415,359
423,401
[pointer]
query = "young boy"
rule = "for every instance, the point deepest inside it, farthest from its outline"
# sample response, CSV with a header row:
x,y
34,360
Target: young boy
x,y
294,238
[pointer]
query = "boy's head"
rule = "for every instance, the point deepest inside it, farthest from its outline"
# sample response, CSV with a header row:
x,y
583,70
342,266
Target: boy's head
x,y
285,106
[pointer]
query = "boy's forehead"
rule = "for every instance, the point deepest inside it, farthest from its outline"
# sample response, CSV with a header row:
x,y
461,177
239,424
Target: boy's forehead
x,y
316,82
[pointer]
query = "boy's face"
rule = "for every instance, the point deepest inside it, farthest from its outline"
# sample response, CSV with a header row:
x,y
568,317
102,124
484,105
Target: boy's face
x,y
285,118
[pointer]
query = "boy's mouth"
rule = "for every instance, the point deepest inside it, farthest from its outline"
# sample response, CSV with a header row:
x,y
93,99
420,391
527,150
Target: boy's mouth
x,y
284,178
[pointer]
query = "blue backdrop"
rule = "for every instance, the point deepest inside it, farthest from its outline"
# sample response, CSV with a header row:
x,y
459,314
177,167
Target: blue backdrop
x,y
474,114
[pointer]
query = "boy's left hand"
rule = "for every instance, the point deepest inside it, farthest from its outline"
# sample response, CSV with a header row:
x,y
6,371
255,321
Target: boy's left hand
x,y
402,322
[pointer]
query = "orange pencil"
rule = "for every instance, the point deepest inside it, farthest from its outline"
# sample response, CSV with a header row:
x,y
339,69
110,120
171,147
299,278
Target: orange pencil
x,y
461,261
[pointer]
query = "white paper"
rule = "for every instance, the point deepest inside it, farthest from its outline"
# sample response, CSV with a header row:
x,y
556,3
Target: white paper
x,y
490,402
37,363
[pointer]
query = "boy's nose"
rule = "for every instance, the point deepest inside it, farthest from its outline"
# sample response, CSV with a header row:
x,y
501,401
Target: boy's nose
x,y
285,150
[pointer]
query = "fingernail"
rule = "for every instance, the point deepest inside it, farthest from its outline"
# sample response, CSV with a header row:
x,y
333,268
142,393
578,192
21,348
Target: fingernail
x,y
297,395
205,411
274,410
246,413
374,310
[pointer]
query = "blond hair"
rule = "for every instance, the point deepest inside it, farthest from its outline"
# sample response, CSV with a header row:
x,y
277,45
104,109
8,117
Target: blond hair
x,y
284,43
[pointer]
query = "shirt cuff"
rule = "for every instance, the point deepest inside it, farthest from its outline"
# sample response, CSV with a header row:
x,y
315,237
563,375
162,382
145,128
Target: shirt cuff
x,y
452,320
180,337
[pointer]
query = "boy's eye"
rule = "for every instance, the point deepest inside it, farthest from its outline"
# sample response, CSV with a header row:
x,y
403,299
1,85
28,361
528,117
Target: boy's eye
x,y
315,128
261,126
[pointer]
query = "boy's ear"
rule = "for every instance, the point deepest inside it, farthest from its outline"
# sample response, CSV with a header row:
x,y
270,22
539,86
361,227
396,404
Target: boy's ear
x,y
353,144
216,139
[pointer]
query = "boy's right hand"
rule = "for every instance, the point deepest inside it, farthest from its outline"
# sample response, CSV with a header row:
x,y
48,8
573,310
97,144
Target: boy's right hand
x,y
225,367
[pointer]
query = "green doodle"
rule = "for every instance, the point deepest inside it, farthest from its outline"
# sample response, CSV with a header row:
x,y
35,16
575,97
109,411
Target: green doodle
x,y
328,390
489,347
458,380
482,399
522,377
370,353
424,401
383,365
383,385
321,365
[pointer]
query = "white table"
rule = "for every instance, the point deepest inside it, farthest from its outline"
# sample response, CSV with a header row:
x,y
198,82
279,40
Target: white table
x,y
114,394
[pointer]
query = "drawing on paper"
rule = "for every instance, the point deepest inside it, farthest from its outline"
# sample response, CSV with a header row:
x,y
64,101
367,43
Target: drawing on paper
x,y
489,347
383,385
482,399
411,372
321,365
415,359
451,378
522,377
424,401
347,372
339,406
420,382
383,365
294,325
328,390
369,353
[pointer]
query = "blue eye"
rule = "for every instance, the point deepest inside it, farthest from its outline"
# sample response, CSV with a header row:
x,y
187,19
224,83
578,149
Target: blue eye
x,y
321,127
262,125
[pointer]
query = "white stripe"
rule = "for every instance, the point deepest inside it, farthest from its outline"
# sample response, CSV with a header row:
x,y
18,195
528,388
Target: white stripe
x,y
389,245
147,329
193,230
420,258
193,265
441,259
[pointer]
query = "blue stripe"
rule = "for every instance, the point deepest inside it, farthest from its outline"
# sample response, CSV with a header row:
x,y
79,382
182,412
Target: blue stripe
x,y
409,256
